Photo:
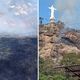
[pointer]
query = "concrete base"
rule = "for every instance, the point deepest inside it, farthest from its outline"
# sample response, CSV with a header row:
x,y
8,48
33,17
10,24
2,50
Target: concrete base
x,y
51,20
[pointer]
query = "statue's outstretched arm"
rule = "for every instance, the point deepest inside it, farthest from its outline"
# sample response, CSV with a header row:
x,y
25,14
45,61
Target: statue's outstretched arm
x,y
49,7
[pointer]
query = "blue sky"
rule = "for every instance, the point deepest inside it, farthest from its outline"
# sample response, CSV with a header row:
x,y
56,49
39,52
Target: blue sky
x,y
68,11
18,17
44,10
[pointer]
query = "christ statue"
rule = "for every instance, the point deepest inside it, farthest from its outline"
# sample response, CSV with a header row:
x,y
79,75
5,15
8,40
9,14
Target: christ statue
x,y
52,12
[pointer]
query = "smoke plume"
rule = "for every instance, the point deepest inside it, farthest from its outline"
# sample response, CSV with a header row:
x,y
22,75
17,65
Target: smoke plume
x,y
69,12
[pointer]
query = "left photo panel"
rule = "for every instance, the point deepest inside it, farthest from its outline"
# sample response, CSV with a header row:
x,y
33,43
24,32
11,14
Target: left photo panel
x,y
18,39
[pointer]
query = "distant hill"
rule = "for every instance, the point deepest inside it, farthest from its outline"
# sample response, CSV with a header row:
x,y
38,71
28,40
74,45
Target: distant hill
x,y
18,58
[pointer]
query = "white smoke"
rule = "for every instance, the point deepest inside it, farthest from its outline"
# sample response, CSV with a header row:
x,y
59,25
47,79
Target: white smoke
x,y
68,11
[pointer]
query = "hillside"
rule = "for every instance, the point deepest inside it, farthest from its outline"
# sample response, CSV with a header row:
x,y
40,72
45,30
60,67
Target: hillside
x,y
59,46
56,40
18,58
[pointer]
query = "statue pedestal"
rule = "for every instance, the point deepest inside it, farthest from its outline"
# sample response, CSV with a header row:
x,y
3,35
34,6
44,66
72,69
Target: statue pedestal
x,y
51,20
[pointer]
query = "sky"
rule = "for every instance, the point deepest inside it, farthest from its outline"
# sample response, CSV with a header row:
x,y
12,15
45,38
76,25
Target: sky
x,y
67,11
18,17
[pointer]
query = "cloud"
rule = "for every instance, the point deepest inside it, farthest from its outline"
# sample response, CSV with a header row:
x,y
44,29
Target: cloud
x,y
20,9
23,9
18,18
22,27
2,14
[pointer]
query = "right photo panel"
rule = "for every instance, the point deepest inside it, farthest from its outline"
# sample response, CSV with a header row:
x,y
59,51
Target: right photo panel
x,y
59,39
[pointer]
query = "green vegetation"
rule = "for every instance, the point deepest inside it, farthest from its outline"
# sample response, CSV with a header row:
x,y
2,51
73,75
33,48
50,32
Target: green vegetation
x,y
70,59
47,71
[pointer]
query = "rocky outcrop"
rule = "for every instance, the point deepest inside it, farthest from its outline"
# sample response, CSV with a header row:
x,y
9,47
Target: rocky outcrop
x,y
54,43
74,37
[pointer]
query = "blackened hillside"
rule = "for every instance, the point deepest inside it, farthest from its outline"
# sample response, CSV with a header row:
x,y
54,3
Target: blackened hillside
x,y
18,58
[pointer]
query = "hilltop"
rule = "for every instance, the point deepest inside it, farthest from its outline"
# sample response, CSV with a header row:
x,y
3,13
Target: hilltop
x,y
56,41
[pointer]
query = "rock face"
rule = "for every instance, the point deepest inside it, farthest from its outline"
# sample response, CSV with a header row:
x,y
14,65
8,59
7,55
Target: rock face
x,y
74,37
55,41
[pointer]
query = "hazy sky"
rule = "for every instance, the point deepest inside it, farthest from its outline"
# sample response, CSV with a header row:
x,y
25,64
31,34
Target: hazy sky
x,y
18,17
68,11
